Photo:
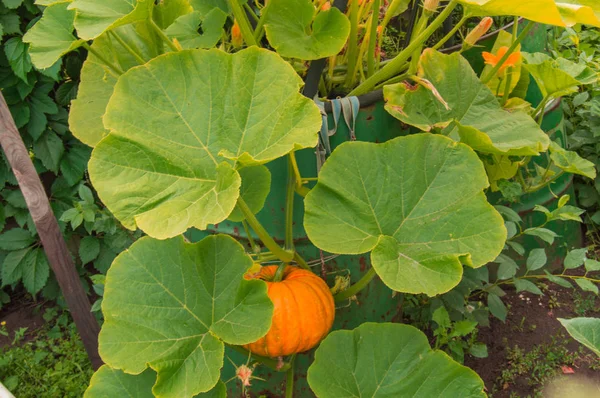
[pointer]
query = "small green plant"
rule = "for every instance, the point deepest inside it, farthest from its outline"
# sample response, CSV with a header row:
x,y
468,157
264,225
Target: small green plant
x,y
457,338
53,365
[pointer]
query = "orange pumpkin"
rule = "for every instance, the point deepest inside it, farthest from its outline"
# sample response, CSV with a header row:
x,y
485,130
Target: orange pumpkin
x,y
303,314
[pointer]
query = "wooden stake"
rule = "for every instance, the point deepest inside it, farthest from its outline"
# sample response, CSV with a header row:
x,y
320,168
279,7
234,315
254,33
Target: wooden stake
x,y
49,232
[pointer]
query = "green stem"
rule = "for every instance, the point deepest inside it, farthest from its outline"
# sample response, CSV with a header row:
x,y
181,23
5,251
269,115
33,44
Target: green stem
x,y
109,64
373,38
242,19
289,378
509,76
259,31
420,27
278,277
300,261
545,184
511,49
540,110
127,47
250,11
451,34
357,287
269,362
162,35
253,245
289,207
352,43
395,65
262,233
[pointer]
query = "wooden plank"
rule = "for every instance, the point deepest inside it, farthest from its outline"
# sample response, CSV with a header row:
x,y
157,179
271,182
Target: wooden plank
x,y
54,244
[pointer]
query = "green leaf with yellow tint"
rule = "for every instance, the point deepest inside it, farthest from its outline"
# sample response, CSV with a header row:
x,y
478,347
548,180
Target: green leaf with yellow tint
x,y
95,17
551,12
108,383
469,111
388,360
417,204
97,84
171,306
185,29
52,36
584,330
178,136
295,32
571,162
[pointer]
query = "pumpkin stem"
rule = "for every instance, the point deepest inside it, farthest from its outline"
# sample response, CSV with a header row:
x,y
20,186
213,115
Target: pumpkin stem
x,y
280,272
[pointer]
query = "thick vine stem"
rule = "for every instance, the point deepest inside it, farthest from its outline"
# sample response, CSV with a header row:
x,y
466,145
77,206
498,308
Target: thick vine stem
x,y
127,47
485,79
269,362
278,277
508,282
259,31
289,206
451,34
289,378
242,19
396,64
162,35
262,233
509,76
371,57
357,287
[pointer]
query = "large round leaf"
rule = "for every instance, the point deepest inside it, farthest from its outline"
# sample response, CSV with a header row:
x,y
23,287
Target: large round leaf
x,y
97,85
552,12
467,108
52,36
388,360
183,123
293,33
416,202
113,383
171,305
95,17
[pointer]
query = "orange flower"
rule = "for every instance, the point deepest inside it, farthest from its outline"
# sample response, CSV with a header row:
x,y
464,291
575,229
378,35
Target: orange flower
x,y
493,60
326,6
236,35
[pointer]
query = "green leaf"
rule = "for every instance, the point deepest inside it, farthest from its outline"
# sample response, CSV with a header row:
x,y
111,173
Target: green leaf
x,y
185,29
417,204
10,24
12,4
575,258
543,233
517,247
584,330
587,285
536,259
497,307
567,213
89,248
95,17
108,382
52,36
507,268
35,271
12,266
558,280
66,92
293,33
15,239
592,265
558,77
551,12
509,214
49,149
471,113
167,11
463,328
202,130
571,162
74,163
97,86
441,317
256,185
18,57
86,194
479,350
523,285
387,360
176,321
205,6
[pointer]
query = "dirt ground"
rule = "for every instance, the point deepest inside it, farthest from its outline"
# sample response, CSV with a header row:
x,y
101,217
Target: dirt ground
x,y
545,353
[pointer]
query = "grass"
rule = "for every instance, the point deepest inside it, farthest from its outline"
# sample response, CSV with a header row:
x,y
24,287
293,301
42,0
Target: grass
x,y
52,364
541,364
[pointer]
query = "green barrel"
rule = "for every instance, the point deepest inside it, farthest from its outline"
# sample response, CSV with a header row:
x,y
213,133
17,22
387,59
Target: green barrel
x,y
377,303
